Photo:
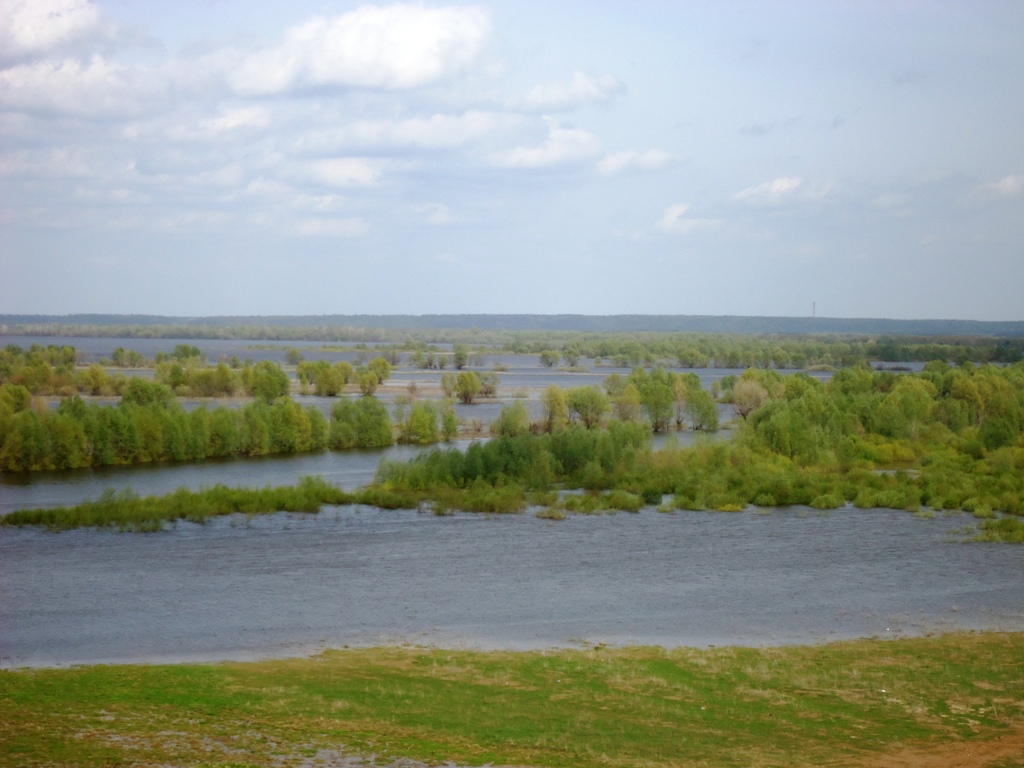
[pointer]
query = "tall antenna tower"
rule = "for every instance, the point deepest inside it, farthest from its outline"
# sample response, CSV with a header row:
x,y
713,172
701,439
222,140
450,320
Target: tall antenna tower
x,y
814,309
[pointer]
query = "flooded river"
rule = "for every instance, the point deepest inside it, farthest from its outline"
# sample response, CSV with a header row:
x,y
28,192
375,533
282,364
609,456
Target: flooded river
x,y
240,588
285,584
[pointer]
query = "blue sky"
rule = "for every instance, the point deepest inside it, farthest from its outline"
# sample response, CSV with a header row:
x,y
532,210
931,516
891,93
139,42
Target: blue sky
x,y
723,158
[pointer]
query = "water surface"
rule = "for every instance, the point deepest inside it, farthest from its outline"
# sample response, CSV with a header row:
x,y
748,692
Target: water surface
x,y
287,584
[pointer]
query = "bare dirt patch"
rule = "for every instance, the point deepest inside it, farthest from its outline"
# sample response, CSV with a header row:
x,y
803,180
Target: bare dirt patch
x,y
1003,752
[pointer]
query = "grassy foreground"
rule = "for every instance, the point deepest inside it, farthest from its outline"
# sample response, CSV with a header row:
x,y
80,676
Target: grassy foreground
x,y
850,703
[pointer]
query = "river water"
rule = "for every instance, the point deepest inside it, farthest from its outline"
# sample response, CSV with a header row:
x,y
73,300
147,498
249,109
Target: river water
x,y
287,584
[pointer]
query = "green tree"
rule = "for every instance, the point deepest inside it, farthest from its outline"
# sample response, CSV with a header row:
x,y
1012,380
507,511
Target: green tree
x,y
488,384
627,403
254,433
658,400
142,392
513,420
550,357
589,404
290,430
381,367
467,386
703,412
223,433
307,371
460,356
329,381
448,385
25,446
362,423
266,381
69,447
368,381
420,427
556,409
185,352
319,428
449,422
94,380
747,397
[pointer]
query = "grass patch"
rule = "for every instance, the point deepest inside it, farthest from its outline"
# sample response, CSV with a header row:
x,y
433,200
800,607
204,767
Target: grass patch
x,y
834,704
1005,530
128,511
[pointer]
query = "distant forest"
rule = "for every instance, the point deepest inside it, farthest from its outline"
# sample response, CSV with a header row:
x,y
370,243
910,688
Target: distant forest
x,y
344,327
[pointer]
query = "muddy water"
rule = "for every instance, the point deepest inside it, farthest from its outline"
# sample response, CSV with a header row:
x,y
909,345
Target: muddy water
x,y
290,584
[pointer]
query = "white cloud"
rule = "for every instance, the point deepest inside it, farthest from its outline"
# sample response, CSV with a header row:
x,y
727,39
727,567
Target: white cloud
x,y
771,192
434,213
231,124
579,91
233,120
320,203
39,26
188,221
344,171
652,160
437,131
562,146
116,195
56,162
353,227
393,47
97,88
1006,187
676,222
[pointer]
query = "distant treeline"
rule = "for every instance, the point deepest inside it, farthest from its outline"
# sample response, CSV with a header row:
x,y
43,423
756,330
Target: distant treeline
x,y
372,327
691,350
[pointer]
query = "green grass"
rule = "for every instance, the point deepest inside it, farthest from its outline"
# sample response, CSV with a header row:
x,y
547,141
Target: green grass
x,y
128,511
834,704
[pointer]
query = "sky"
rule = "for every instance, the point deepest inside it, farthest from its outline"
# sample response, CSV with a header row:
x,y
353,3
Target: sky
x,y
853,158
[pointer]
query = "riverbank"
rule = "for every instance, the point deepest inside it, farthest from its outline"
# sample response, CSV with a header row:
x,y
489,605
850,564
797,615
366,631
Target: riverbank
x,y
856,703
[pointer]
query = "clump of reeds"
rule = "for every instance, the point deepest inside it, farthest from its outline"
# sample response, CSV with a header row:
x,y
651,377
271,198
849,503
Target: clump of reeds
x,y
129,511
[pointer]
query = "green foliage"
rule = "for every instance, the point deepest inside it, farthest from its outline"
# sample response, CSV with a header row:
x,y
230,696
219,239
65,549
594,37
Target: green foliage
x,y
381,367
588,404
460,356
448,384
449,422
467,386
512,421
488,384
142,392
183,352
627,404
700,409
368,381
556,409
550,357
362,423
265,381
127,511
420,426
149,426
747,396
